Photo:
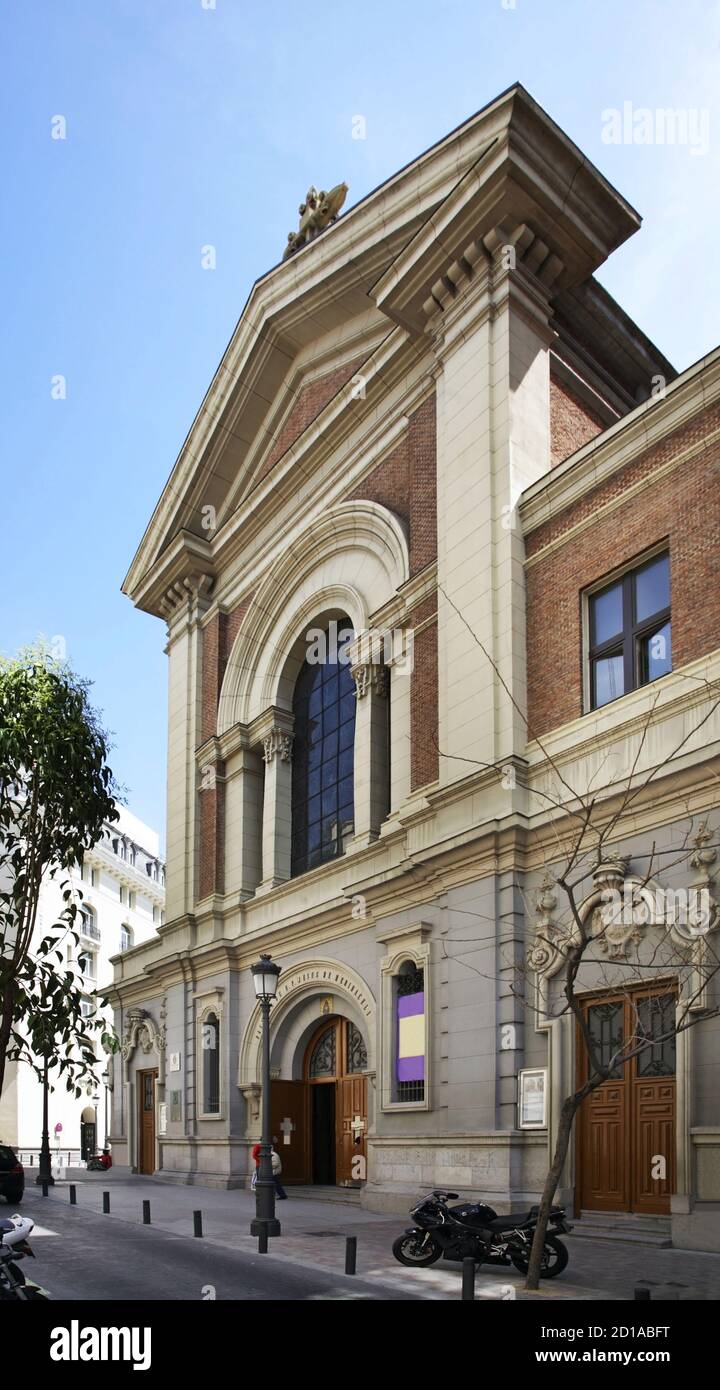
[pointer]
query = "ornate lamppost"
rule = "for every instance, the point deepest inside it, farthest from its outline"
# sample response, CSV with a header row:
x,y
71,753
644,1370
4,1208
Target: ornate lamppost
x,y
265,977
45,1162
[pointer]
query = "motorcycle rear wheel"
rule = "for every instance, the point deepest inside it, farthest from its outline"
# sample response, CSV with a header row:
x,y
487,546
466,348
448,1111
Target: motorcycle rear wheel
x,y
416,1251
554,1261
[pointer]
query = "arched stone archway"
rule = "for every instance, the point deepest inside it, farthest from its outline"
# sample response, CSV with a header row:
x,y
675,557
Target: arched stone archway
x,y
319,1119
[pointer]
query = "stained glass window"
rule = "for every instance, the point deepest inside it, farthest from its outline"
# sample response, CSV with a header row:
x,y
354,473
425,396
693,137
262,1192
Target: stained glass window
x,y
322,777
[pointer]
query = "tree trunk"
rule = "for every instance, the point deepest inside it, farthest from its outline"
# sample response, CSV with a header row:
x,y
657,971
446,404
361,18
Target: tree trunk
x,y
567,1115
6,1022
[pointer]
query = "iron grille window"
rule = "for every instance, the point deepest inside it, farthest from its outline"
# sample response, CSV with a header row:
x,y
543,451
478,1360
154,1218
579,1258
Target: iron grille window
x,y
322,1062
356,1050
605,1025
322,776
630,631
410,986
656,1024
211,1065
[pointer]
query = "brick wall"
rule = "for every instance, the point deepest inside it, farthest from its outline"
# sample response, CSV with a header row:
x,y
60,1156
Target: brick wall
x,y
212,834
424,697
311,400
683,507
218,637
406,483
572,423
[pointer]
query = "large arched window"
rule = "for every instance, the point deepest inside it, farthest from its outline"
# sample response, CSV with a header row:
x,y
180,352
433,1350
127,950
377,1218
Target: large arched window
x,y
322,776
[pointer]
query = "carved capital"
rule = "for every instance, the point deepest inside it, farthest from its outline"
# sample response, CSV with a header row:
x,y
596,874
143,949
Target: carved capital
x,y
369,675
280,742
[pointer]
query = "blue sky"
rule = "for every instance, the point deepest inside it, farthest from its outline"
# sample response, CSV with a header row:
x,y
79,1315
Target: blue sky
x,y
189,126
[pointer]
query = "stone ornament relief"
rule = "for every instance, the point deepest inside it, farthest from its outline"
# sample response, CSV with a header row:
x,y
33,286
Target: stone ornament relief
x,y
277,741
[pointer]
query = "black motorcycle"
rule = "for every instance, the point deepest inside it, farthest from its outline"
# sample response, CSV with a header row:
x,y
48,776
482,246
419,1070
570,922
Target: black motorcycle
x,y
476,1231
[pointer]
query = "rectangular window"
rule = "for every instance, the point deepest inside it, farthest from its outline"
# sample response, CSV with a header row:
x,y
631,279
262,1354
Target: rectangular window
x,y
409,1034
122,894
630,635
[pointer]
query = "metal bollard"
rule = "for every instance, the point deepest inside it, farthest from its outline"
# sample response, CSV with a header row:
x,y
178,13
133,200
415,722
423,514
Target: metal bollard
x,y
44,1187
641,1293
263,1242
197,1223
468,1283
146,1213
350,1254
106,1203
73,1195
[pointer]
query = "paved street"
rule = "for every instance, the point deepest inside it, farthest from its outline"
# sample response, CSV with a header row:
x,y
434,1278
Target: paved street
x,y
115,1256
82,1255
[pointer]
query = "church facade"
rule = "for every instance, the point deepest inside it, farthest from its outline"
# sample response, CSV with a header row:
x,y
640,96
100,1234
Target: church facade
x,y
435,560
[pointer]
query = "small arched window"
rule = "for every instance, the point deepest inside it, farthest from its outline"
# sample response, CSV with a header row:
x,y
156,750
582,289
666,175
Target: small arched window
x,y
211,1064
322,776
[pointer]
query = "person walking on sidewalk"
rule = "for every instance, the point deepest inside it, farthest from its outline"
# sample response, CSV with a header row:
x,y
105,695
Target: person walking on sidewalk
x,y
276,1169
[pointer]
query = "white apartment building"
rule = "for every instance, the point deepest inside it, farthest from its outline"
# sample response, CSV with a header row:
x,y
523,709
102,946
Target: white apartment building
x,y
123,897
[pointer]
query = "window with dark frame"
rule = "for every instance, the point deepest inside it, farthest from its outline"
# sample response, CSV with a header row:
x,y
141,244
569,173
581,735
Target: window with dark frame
x,y
323,753
630,631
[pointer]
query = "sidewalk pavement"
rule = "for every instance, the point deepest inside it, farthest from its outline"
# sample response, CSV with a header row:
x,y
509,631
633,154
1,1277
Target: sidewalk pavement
x,y
314,1231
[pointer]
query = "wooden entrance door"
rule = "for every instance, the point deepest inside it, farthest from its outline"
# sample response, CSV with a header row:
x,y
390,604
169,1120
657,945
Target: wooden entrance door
x,y
146,1121
335,1061
626,1128
289,1128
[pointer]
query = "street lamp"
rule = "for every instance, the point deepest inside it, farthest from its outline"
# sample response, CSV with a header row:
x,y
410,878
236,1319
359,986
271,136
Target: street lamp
x,y
265,977
45,1173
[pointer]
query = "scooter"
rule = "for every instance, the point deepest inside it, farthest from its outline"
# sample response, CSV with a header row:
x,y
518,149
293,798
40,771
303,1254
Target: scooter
x,y
14,1246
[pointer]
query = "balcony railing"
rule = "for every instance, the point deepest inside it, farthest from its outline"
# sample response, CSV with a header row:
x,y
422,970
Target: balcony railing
x,y
88,928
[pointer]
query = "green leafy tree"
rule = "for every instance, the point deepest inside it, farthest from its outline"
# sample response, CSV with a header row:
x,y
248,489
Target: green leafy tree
x,y
56,791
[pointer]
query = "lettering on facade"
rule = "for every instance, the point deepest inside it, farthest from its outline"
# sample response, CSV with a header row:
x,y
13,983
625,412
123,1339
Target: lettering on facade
x,y
321,975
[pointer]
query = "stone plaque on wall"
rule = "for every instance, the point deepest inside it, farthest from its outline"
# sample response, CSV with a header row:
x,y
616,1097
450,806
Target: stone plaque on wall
x,y
175,1107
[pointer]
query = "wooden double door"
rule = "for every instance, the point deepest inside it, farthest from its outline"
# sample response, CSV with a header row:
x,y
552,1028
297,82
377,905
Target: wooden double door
x,y
626,1128
146,1081
319,1124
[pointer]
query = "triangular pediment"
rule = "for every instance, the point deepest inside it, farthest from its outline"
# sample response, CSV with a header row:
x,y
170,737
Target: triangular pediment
x,y
315,319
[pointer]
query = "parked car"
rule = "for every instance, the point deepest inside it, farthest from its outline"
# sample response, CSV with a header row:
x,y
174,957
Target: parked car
x,y
12,1175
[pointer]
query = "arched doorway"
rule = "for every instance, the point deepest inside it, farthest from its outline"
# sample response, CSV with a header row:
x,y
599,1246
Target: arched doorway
x,y
320,1122
88,1133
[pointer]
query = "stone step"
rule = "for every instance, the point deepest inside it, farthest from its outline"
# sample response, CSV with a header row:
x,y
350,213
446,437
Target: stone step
x,y
624,1228
348,1195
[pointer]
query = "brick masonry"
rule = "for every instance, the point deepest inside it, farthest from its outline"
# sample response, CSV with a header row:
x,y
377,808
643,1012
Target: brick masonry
x,y
406,483
682,507
572,423
310,401
218,637
424,756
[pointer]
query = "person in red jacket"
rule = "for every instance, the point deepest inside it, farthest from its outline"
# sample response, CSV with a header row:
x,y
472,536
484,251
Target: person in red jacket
x,y
277,1169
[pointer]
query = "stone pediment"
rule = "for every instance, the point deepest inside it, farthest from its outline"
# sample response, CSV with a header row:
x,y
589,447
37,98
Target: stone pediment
x,y
375,268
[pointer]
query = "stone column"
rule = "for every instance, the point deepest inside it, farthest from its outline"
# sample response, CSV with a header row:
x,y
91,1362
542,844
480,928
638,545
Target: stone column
x,y
243,820
492,342
184,607
371,750
276,742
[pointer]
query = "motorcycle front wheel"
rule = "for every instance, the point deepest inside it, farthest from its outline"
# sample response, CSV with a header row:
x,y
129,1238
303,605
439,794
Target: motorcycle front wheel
x,y
554,1259
416,1250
